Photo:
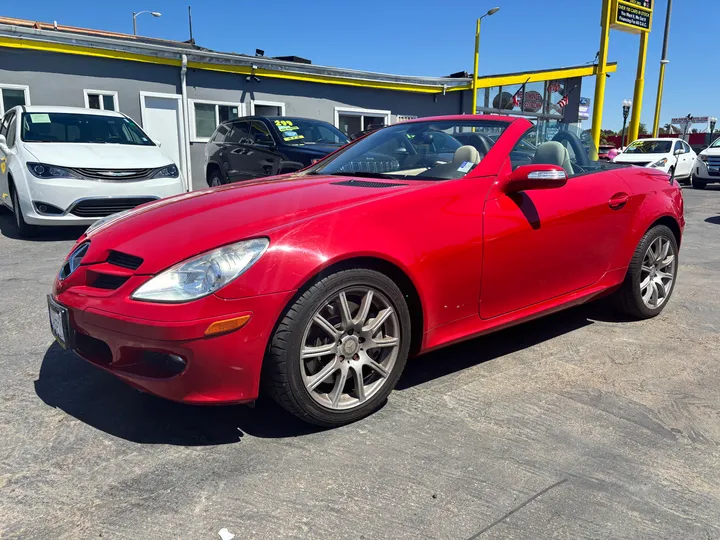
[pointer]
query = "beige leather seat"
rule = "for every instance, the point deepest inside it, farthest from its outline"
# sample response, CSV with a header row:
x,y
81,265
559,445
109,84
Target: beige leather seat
x,y
464,154
553,153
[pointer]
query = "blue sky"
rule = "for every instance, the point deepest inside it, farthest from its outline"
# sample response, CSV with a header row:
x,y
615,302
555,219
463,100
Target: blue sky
x,y
432,38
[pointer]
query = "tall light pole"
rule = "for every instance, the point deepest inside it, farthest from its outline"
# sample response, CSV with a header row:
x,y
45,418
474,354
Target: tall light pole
x,y
492,11
626,105
135,15
661,79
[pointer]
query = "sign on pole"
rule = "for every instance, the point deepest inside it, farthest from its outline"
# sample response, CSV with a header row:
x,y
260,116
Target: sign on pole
x,y
634,16
693,120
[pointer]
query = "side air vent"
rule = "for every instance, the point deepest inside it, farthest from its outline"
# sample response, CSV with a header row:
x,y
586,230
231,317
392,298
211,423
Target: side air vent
x,y
124,260
108,281
366,184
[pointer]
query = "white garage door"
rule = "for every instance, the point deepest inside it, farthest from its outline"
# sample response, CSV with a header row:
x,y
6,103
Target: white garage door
x,y
163,120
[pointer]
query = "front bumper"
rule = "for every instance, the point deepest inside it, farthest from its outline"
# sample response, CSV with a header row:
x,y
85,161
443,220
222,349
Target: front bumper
x,y
64,193
221,369
705,173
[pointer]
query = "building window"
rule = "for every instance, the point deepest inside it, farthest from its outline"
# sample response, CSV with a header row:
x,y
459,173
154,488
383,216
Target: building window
x,y
12,95
104,100
354,121
267,108
208,115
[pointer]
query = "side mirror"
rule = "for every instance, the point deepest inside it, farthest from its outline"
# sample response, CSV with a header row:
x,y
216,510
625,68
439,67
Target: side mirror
x,y
287,167
679,152
536,176
3,141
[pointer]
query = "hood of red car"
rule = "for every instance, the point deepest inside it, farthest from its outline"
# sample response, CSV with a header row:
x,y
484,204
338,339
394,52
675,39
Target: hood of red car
x,y
170,230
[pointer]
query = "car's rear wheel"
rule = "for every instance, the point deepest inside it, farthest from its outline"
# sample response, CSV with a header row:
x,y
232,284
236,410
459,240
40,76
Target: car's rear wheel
x,y
23,229
698,184
650,279
339,350
216,179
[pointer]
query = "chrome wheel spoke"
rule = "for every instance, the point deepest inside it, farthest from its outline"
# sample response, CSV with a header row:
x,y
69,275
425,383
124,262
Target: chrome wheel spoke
x,y
323,323
358,382
321,350
663,275
667,261
322,375
345,314
383,342
372,364
645,282
337,391
378,321
364,310
646,268
655,294
664,248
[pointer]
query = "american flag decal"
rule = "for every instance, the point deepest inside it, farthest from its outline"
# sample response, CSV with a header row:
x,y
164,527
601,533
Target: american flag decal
x,y
564,101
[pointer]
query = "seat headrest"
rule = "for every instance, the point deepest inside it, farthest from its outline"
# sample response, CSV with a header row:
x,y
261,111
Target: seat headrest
x,y
466,154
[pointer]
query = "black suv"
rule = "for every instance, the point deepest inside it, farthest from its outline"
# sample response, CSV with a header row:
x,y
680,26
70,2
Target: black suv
x,y
256,146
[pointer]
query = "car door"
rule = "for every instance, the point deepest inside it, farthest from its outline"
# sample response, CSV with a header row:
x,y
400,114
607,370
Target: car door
x,y
541,244
5,155
236,154
690,157
267,159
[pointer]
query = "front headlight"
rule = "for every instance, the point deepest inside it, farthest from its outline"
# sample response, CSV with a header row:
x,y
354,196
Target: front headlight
x,y
43,170
703,157
171,171
659,163
202,275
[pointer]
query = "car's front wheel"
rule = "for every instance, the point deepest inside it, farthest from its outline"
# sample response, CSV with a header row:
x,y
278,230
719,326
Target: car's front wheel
x,y
697,183
23,229
216,179
340,348
650,279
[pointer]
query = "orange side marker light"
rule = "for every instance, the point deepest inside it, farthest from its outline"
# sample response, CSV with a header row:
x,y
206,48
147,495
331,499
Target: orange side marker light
x,y
228,325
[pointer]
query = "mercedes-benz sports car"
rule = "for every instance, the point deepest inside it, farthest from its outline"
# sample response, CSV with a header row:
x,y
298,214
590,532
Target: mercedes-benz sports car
x,y
318,285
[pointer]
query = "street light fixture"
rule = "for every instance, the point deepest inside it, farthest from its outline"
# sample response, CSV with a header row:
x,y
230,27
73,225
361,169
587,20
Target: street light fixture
x,y
626,105
713,121
491,11
135,15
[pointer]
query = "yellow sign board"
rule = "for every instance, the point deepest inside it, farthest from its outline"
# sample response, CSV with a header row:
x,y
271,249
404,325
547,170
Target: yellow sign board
x,y
634,16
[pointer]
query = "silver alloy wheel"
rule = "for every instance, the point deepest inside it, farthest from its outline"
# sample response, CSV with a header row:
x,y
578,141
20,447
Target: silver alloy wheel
x,y
349,348
215,181
657,274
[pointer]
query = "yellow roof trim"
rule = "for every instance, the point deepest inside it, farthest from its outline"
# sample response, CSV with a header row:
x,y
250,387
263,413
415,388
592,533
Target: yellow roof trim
x,y
540,76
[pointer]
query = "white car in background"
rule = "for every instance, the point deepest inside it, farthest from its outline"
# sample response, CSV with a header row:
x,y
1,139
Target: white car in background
x,y
707,167
668,155
73,166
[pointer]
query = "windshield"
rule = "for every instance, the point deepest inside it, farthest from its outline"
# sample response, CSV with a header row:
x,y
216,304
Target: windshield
x,y
432,150
299,131
715,143
81,128
649,147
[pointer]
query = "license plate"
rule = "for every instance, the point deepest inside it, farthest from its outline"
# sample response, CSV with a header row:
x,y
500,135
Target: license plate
x,y
59,323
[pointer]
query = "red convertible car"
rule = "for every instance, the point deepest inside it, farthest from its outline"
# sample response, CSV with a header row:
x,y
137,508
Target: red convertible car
x,y
318,285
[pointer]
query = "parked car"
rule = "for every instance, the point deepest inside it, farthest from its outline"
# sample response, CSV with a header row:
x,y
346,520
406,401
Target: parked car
x,y
672,156
71,166
707,166
607,152
258,146
319,284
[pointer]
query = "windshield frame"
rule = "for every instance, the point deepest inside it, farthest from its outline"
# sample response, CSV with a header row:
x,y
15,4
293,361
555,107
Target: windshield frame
x,y
278,134
637,144
124,120
499,123
715,143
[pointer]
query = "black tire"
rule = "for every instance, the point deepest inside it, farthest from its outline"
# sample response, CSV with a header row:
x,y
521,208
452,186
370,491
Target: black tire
x,y
628,299
282,377
22,229
215,179
698,184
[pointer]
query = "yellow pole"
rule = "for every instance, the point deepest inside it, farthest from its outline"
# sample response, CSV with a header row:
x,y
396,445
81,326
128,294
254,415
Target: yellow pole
x,y
639,87
658,103
601,74
475,69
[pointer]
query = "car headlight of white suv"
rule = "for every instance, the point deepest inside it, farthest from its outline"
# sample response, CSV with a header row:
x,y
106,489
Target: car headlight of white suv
x,y
659,163
43,170
202,275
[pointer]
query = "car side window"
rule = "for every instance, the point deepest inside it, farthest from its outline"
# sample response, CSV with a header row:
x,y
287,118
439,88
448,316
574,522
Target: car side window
x,y
240,134
4,123
11,133
260,133
687,148
679,146
221,133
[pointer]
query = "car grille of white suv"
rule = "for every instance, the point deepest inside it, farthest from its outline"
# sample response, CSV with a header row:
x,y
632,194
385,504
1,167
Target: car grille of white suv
x,y
116,175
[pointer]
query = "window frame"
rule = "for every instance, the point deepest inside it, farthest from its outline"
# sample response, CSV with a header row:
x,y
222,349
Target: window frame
x,y
354,111
264,103
113,93
191,113
24,87
12,128
687,147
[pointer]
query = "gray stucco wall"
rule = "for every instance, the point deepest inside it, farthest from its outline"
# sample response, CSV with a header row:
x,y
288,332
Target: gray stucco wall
x,y
59,79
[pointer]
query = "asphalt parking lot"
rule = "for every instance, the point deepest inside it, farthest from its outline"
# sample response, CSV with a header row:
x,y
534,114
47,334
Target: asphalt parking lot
x,y
579,425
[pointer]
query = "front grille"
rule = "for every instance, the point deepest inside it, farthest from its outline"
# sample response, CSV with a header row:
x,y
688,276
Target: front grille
x,y
105,207
124,260
107,281
640,163
713,161
366,184
116,175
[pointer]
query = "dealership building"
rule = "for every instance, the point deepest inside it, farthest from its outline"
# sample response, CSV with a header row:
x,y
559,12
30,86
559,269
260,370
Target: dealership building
x,y
178,92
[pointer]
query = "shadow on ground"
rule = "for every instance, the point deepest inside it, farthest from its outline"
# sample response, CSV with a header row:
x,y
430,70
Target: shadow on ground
x,y
104,402
43,234
715,220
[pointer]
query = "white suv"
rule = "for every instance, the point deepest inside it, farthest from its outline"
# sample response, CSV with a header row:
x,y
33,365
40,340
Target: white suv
x,y
707,168
72,166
